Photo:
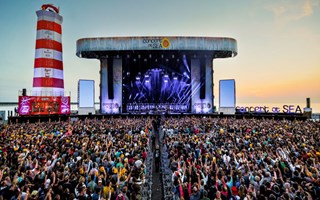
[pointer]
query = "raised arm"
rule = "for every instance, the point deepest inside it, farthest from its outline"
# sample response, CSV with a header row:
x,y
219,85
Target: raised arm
x,y
199,181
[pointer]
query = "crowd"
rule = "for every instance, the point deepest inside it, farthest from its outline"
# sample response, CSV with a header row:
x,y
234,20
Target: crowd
x,y
210,158
83,159
243,158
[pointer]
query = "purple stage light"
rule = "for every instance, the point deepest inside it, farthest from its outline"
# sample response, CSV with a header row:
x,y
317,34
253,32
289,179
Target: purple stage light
x,y
159,84
186,75
184,59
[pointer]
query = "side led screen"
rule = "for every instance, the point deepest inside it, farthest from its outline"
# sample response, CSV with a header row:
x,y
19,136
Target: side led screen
x,y
86,93
227,93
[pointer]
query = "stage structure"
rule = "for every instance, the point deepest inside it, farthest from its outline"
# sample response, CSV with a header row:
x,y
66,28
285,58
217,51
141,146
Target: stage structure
x,y
156,74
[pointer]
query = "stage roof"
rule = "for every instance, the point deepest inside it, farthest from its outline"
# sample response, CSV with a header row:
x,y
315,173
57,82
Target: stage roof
x,y
221,47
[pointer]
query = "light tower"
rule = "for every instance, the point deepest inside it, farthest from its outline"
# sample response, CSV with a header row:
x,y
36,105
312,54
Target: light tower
x,y
48,65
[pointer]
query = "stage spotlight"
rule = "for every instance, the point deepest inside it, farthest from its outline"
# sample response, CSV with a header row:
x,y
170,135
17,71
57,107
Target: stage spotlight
x,y
186,75
185,63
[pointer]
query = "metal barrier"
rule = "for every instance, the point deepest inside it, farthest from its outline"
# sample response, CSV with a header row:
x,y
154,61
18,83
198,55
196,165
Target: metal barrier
x,y
166,172
147,186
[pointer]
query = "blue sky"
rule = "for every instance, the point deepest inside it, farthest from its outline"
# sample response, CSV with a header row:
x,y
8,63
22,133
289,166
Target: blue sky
x,y
278,41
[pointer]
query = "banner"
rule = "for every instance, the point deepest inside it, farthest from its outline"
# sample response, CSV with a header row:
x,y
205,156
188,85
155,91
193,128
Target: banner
x,y
43,105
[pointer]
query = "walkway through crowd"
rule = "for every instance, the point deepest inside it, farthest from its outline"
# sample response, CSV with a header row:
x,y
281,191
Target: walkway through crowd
x,y
156,176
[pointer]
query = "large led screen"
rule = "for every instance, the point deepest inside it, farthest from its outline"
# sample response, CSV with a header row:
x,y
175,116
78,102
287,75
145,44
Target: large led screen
x,y
43,105
156,82
227,91
86,93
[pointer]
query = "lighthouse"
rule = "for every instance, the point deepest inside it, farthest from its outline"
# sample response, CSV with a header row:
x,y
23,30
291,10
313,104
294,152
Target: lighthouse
x,y
48,77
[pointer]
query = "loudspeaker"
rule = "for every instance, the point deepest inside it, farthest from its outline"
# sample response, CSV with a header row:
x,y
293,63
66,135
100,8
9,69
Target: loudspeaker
x,y
202,79
110,79
24,92
308,103
90,113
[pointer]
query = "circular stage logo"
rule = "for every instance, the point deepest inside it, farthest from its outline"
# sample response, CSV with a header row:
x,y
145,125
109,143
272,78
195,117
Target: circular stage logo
x,y
165,43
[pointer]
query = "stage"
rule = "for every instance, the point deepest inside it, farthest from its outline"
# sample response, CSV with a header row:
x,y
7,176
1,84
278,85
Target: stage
x,y
139,74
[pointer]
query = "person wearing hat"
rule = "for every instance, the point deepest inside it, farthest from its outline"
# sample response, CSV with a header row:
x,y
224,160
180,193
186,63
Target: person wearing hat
x,y
234,193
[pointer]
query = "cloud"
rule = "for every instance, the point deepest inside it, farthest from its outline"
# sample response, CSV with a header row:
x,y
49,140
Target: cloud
x,y
288,10
309,6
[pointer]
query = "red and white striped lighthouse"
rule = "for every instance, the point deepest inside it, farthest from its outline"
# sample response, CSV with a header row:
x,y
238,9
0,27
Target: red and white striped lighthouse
x,y
48,64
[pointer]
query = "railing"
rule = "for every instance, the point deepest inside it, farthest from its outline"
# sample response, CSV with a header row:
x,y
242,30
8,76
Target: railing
x,y
157,107
147,186
315,116
166,172
43,93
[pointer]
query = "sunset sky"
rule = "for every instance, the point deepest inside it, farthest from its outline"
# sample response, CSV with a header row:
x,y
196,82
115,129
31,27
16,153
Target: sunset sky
x,y
278,59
